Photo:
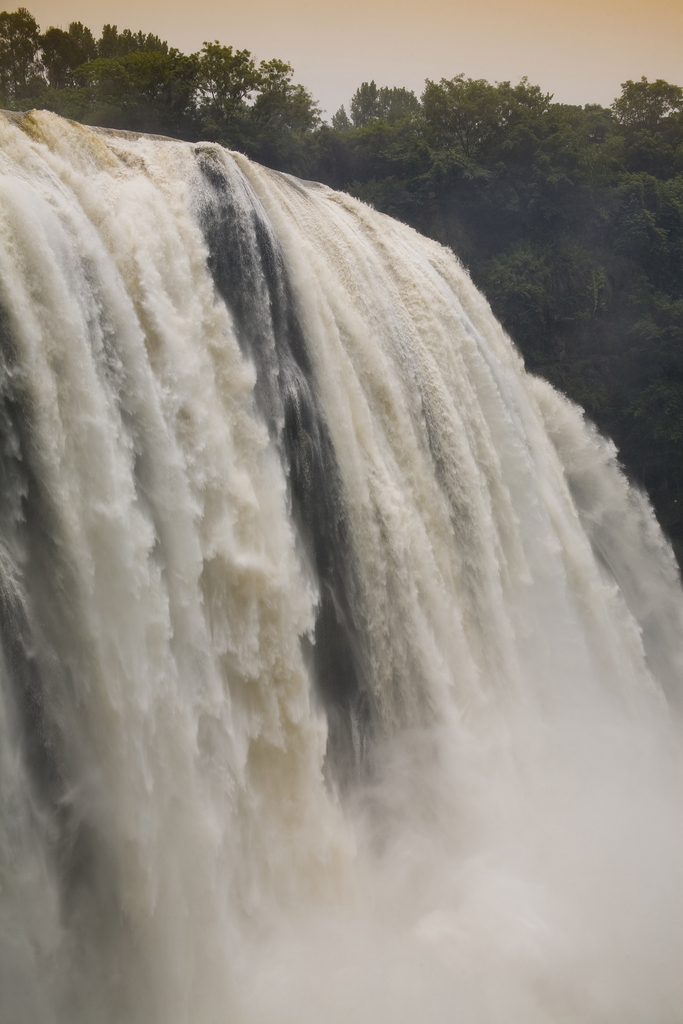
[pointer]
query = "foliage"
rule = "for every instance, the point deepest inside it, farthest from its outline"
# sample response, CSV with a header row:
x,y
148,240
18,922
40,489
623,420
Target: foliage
x,y
226,80
19,54
63,52
369,102
250,106
644,104
340,120
280,104
117,44
145,90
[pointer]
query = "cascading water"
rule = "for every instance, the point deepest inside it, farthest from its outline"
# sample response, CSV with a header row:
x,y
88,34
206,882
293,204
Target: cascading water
x,y
341,666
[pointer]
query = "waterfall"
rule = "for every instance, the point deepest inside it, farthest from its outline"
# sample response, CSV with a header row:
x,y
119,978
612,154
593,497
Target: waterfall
x,y
340,665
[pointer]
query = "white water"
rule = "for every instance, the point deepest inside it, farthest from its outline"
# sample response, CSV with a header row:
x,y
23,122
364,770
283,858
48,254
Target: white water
x,y
499,841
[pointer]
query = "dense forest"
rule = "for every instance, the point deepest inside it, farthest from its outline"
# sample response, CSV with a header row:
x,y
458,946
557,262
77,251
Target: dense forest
x,y
569,218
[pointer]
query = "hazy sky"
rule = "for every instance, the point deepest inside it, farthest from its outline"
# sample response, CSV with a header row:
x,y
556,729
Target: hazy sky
x,y
580,50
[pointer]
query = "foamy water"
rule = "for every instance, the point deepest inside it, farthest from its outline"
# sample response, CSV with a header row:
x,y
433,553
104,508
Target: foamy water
x,y
341,666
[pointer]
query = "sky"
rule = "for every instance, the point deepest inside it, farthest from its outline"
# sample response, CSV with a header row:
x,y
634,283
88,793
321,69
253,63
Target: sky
x,y
578,50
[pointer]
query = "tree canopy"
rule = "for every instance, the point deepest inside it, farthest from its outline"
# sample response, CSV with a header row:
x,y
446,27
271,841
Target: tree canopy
x,y
20,66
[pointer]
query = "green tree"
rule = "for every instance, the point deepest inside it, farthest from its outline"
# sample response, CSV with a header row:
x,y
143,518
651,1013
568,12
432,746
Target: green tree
x,y
644,104
227,79
146,91
279,103
62,52
650,116
341,121
113,43
364,104
281,115
471,115
461,113
396,102
20,69
387,104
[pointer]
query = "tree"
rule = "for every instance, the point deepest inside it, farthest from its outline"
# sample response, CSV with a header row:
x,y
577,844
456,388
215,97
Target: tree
x,y
64,51
650,116
146,90
386,104
84,40
341,121
20,67
364,104
644,104
226,80
470,115
393,103
280,103
461,112
113,43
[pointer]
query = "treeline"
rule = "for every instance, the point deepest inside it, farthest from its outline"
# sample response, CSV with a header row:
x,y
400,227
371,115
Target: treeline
x,y
130,80
569,218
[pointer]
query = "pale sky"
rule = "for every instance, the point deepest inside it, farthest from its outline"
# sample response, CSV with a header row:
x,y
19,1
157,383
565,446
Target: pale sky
x,y
579,50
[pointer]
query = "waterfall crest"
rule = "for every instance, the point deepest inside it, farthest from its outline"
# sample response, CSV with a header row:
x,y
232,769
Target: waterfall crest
x,y
340,665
